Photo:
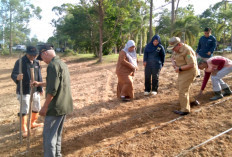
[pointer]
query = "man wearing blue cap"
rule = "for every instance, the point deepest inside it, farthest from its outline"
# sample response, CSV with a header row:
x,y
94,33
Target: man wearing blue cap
x,y
28,61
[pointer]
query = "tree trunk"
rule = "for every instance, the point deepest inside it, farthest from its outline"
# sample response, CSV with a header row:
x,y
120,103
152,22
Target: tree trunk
x,y
115,50
173,17
101,17
10,46
224,34
231,39
150,29
141,44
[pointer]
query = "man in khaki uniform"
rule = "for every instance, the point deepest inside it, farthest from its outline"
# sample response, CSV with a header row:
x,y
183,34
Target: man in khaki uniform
x,y
185,64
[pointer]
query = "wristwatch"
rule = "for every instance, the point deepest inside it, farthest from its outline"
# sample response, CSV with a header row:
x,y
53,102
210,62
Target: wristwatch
x,y
180,68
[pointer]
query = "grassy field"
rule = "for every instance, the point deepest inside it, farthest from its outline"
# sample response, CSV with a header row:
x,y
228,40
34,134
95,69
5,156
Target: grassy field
x,y
105,59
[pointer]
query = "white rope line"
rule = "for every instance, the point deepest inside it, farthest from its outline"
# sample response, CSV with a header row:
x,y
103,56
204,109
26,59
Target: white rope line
x,y
219,102
22,153
99,150
186,151
166,123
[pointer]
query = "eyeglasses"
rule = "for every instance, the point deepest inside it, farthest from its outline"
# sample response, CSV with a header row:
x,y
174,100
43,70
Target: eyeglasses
x,y
175,46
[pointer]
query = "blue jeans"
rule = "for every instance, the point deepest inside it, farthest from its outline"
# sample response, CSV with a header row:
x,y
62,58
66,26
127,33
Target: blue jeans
x,y
52,133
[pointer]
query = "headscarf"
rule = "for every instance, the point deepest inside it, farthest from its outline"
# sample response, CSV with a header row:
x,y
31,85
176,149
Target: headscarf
x,y
132,57
150,46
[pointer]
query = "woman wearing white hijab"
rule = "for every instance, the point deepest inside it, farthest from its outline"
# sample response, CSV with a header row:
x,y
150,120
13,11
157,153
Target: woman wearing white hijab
x,y
126,67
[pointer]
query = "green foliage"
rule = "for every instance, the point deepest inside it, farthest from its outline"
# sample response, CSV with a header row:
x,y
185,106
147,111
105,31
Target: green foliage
x,y
5,51
78,25
123,20
69,52
15,16
220,20
186,29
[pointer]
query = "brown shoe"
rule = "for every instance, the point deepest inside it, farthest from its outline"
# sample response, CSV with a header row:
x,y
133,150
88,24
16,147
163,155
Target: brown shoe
x,y
194,103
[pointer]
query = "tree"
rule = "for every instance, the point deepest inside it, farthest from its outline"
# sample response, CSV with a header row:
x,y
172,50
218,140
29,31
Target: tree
x,y
150,26
214,17
16,17
187,29
186,26
121,20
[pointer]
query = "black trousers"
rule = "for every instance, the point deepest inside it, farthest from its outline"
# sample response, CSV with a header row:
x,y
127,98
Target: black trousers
x,y
151,74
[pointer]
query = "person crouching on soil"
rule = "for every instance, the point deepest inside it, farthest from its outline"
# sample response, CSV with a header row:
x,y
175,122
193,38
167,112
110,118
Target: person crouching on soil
x,y
28,61
126,67
185,64
153,61
217,67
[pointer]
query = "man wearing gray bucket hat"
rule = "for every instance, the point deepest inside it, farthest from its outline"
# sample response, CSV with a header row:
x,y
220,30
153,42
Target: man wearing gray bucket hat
x,y
185,64
28,61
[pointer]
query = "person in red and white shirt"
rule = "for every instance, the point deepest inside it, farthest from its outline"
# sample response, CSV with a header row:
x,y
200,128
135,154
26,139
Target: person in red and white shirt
x,y
217,67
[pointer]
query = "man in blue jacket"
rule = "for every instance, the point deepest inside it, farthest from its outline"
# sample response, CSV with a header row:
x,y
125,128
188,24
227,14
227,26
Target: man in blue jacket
x,y
28,61
206,45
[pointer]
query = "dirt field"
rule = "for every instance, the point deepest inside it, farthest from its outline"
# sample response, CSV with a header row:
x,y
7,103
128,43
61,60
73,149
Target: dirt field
x,y
101,125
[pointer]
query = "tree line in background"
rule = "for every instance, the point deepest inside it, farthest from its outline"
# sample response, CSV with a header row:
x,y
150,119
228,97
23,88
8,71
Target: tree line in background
x,y
14,19
104,26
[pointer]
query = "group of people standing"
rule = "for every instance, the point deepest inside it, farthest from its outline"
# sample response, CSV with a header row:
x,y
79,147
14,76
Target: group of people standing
x,y
58,102
185,61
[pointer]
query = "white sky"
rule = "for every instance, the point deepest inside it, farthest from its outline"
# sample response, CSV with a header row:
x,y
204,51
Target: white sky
x,y
43,29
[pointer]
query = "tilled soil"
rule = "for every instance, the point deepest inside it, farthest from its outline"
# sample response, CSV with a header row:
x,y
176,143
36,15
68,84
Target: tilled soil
x,y
102,125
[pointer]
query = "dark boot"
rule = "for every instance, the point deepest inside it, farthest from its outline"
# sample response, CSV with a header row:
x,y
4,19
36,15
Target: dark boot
x,y
218,95
226,92
194,103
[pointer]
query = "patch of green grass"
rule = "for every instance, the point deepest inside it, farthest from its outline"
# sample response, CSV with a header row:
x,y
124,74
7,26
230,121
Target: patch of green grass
x,y
111,58
114,58
87,56
78,57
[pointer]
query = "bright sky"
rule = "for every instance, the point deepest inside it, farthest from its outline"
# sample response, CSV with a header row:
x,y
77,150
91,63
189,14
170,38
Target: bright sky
x,y
43,29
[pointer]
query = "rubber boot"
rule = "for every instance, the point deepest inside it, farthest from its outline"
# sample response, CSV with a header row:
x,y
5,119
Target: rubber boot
x,y
24,126
226,92
218,95
34,117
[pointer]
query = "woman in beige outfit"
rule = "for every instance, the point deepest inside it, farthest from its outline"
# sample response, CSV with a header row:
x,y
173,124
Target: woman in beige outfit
x,y
126,67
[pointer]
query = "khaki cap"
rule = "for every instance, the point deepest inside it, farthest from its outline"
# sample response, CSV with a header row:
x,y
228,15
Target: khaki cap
x,y
173,42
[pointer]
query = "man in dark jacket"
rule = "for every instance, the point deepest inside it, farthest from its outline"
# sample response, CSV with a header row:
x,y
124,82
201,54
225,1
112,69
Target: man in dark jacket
x,y
28,61
206,45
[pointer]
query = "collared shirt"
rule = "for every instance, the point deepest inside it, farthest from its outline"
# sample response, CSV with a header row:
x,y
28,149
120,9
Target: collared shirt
x,y
58,85
186,56
26,65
